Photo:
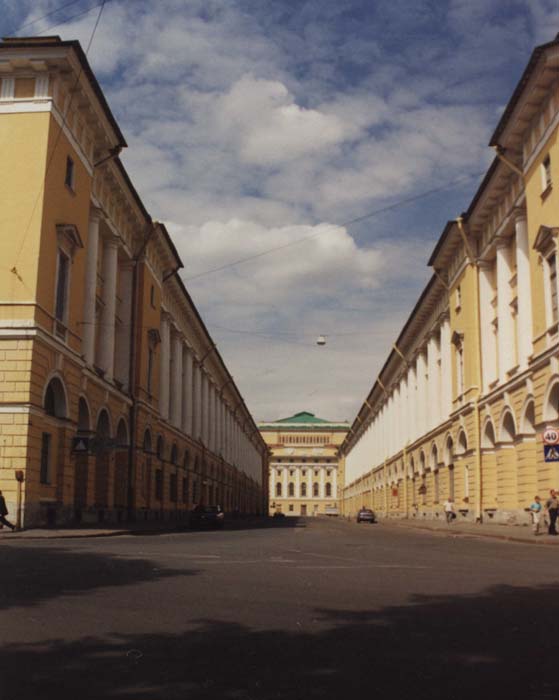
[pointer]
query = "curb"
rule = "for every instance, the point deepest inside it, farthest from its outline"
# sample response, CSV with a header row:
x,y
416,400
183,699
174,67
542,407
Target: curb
x,y
487,535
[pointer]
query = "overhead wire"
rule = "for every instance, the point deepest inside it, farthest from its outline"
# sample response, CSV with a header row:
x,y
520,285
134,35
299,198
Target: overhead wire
x,y
59,134
369,215
17,30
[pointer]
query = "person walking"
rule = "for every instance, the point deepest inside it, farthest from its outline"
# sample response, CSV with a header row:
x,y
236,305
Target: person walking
x,y
449,510
536,513
4,512
552,506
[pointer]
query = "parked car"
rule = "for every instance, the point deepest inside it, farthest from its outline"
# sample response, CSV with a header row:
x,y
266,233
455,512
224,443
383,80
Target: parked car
x,y
278,514
366,515
207,516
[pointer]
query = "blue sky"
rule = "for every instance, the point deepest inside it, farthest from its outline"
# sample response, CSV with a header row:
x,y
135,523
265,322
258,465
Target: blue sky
x,y
254,123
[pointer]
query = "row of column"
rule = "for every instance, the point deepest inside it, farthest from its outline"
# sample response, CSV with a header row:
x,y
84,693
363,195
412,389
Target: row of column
x,y
191,402
276,478
420,402
506,331
106,343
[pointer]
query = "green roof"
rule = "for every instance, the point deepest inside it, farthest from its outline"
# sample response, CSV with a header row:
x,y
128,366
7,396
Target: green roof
x,y
304,419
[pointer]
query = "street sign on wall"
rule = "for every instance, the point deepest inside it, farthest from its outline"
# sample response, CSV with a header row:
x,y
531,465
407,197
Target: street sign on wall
x,y
551,436
551,453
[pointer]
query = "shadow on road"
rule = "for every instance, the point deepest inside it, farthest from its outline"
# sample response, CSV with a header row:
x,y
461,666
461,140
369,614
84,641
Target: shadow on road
x,y
502,643
68,572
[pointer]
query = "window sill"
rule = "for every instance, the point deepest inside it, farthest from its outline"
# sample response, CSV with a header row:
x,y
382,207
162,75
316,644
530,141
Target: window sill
x,y
545,194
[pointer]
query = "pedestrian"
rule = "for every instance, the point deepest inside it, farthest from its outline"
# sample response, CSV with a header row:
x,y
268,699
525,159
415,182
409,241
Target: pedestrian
x,y
536,513
551,506
449,510
4,512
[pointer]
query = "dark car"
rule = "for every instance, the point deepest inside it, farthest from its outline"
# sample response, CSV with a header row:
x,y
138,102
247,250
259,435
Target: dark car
x,y
278,514
366,515
207,516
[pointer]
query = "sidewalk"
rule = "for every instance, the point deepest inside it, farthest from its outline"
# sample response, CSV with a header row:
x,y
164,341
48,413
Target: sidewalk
x,y
511,533
117,529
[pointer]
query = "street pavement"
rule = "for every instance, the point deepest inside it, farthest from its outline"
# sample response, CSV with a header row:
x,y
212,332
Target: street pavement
x,y
289,609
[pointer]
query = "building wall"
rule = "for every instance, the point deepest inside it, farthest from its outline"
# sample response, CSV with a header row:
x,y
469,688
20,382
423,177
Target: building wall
x,y
74,356
472,429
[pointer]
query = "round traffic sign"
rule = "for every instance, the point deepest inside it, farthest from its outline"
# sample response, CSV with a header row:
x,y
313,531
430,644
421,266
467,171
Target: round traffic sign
x,y
551,436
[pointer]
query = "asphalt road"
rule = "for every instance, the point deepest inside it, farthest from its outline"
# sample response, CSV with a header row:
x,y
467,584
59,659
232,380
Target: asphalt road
x,y
297,609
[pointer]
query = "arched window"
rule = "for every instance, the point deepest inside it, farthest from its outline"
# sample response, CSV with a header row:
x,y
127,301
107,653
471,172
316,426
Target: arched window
x,y
449,451
508,431
147,441
328,490
422,462
84,425
174,454
291,489
303,490
434,457
528,426
315,489
196,464
122,435
55,399
160,447
462,443
186,460
488,436
278,490
551,405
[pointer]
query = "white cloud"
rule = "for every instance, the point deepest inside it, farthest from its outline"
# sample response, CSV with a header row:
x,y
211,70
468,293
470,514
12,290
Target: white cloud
x,y
251,129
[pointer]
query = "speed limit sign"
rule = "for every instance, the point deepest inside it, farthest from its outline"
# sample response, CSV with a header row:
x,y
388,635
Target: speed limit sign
x,y
551,436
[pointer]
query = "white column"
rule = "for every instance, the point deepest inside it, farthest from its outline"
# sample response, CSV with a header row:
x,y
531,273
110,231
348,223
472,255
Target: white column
x,y
446,369
164,367
187,391
107,332
506,327
422,398
297,482
176,394
124,329
335,482
285,474
524,291
205,408
433,382
412,402
272,483
322,475
197,400
90,292
487,315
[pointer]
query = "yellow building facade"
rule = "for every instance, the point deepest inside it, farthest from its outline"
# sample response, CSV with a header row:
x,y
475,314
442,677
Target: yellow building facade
x,y
306,474
462,401
114,400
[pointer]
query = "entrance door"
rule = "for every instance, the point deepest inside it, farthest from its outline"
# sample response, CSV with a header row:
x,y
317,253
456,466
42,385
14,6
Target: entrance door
x,y
303,509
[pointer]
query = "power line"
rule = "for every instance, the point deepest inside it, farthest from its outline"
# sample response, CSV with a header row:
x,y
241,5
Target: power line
x,y
48,14
375,212
78,14
61,129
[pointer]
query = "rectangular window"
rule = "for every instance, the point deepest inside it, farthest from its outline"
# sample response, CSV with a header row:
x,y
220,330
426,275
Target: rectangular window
x,y
70,173
185,490
546,173
45,458
159,484
552,266
63,275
